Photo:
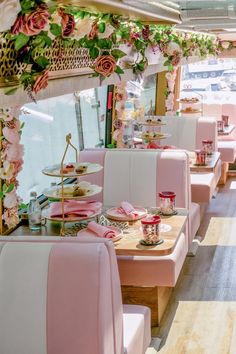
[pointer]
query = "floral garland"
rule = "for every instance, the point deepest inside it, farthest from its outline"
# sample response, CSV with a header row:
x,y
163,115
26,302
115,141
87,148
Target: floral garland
x,y
11,164
114,44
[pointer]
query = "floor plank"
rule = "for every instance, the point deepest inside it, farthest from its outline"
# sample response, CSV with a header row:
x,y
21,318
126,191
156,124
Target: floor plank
x,y
201,316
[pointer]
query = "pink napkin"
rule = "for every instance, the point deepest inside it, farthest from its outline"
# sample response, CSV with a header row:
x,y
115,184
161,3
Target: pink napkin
x,y
101,231
127,209
73,207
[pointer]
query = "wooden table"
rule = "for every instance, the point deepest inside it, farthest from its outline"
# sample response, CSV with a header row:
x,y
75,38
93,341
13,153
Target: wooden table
x,y
209,167
227,130
130,245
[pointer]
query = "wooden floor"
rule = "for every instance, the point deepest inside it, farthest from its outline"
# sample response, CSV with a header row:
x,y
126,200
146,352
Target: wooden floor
x,y
201,316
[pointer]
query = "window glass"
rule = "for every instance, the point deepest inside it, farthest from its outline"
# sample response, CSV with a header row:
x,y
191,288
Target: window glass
x,y
46,125
213,80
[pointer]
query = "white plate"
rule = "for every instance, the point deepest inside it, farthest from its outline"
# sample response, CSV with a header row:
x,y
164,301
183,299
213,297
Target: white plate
x,y
115,215
52,192
55,170
87,232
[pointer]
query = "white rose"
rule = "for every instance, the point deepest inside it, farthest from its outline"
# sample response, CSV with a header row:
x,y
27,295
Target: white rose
x,y
171,48
108,31
225,44
83,27
9,10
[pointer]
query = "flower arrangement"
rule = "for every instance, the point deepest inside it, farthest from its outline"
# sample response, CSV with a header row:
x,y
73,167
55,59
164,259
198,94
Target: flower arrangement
x,y
114,44
11,164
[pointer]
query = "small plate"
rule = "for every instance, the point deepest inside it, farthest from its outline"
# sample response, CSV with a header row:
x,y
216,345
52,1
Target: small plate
x,y
113,214
55,170
87,232
53,192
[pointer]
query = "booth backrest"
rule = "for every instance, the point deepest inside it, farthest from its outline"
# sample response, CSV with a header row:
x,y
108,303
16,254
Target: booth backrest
x,y
56,298
188,132
139,175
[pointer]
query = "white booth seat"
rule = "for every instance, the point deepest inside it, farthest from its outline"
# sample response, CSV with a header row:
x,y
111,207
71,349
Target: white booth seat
x,y
65,297
227,149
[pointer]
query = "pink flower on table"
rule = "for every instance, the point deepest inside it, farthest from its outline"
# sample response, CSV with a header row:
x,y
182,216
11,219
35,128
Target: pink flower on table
x,y
41,82
11,135
10,200
7,171
14,152
11,217
36,21
67,23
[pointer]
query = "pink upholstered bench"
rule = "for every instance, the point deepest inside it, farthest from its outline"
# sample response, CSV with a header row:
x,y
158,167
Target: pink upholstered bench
x,y
65,298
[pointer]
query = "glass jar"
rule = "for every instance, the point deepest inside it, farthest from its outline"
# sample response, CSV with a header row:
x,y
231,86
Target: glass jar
x,y
225,120
200,158
207,146
167,203
151,229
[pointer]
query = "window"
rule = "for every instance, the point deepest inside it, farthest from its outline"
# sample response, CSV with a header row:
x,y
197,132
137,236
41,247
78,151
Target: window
x,y
46,125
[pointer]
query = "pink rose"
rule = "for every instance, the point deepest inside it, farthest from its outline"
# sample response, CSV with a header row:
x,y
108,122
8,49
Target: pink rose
x,y
14,152
94,31
67,22
11,217
41,82
18,25
11,135
10,200
18,166
105,65
36,21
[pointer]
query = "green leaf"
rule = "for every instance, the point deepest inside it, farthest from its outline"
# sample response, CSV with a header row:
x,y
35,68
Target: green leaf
x,y
22,125
10,188
4,188
11,91
42,62
23,206
1,194
21,41
1,138
170,68
94,52
104,43
117,53
55,29
119,70
26,5
101,27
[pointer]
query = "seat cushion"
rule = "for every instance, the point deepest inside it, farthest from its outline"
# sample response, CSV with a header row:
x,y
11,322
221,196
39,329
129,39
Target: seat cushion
x,y
202,187
227,150
137,329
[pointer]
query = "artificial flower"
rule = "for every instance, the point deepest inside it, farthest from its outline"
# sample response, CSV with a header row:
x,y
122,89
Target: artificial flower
x,y
172,48
11,135
108,31
11,218
94,31
225,44
14,152
41,82
5,115
67,23
10,200
9,9
83,27
35,21
6,172
105,65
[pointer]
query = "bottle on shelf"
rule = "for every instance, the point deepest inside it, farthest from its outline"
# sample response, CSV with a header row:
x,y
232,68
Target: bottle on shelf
x,y
34,213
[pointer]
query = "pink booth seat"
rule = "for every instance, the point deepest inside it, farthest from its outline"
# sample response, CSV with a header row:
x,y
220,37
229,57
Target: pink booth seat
x,y
229,110
139,175
227,150
52,305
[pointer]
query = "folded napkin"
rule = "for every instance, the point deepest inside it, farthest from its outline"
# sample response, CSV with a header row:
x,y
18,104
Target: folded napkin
x,y
77,208
101,231
127,209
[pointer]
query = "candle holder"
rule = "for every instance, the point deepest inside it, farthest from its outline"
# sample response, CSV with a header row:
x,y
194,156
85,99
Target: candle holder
x,y
207,146
225,120
220,126
151,230
167,203
200,158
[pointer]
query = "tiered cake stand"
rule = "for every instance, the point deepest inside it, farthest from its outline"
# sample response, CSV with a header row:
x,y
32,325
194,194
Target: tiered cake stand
x,y
60,192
